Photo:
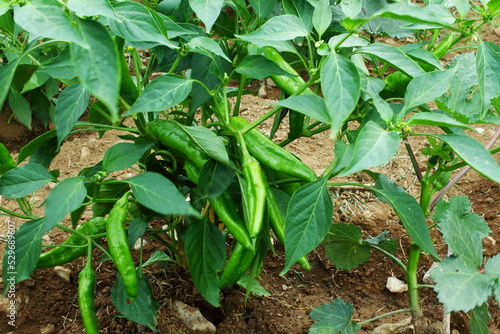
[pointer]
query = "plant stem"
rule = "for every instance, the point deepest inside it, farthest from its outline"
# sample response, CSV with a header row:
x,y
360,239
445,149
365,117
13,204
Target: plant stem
x,y
361,323
412,158
411,278
389,255
8,212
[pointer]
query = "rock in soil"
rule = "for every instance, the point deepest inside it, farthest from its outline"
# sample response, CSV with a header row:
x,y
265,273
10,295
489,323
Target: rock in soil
x,y
192,317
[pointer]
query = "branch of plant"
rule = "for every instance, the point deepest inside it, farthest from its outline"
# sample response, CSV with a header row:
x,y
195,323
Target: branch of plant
x,y
389,255
361,323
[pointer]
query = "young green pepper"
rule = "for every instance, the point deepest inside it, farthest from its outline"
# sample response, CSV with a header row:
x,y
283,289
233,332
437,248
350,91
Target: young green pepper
x,y
118,246
271,154
239,262
74,246
224,208
254,194
173,136
86,283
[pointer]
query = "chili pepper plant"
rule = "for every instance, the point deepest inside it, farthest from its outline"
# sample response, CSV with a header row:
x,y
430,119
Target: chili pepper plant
x,y
177,71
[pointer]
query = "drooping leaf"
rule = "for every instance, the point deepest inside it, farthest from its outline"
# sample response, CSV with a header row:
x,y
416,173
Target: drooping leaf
x,y
206,46
206,252
479,320
207,11
21,108
97,66
61,67
35,144
123,155
143,310
92,8
47,18
435,119
301,9
427,87
373,146
139,24
393,56
259,67
22,181
341,87
433,15
67,196
162,93
308,218
462,230
6,75
209,142
333,318
460,285
71,104
278,28
473,153
215,178
159,194
308,104
157,256
344,247
262,7
488,73
22,252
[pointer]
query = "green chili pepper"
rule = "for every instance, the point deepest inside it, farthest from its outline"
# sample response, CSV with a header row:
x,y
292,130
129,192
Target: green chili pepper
x,y
64,253
118,246
277,223
445,45
225,209
86,283
254,194
287,83
173,136
239,262
271,154
6,161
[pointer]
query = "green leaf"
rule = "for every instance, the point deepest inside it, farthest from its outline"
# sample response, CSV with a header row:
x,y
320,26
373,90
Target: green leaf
x,y
301,9
67,196
108,189
341,89
24,180
259,67
373,146
61,67
344,247
308,219
21,108
206,254
6,75
308,104
427,87
207,11
22,251
262,7
47,18
393,56
71,104
92,8
479,320
460,286
492,267
488,73
123,155
435,119
278,28
159,194
434,15
322,17
35,144
209,142
333,318
412,217
255,288
351,8
162,93
493,5
97,66
137,23
143,310
205,46
215,178
423,56
157,256
473,153
462,230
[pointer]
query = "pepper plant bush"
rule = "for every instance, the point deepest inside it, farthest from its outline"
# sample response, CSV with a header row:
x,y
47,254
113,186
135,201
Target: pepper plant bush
x,y
192,62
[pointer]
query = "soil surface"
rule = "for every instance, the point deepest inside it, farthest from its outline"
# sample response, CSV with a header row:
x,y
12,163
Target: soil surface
x,y
47,302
